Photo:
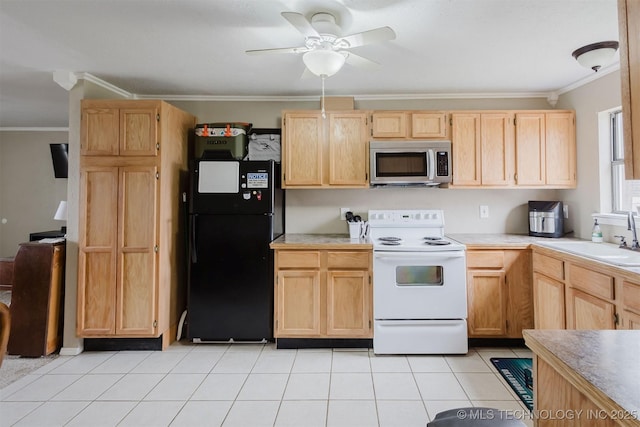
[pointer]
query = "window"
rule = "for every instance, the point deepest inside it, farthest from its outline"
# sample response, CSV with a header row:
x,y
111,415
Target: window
x,y
625,194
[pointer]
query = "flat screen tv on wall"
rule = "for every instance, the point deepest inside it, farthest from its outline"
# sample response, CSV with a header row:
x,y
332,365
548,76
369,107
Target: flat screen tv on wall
x,y
60,158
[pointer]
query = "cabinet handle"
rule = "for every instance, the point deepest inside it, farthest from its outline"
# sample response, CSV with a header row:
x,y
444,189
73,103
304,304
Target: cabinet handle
x,y
616,319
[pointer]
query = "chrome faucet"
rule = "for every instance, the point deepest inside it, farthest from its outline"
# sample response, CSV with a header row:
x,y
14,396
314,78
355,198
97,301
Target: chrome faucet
x,y
631,226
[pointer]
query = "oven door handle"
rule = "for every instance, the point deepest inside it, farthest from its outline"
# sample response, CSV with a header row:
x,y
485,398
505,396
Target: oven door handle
x,y
418,255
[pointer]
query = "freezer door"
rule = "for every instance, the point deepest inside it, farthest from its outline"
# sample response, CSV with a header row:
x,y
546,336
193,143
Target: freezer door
x,y
229,186
230,292
219,177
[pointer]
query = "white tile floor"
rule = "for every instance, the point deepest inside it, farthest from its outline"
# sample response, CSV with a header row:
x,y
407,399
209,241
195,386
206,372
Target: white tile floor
x,y
254,385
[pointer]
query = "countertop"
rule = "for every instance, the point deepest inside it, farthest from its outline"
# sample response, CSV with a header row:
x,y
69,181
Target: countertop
x,y
605,362
507,241
319,241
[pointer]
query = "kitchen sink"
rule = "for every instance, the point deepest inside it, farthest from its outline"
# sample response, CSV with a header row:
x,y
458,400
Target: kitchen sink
x,y
605,252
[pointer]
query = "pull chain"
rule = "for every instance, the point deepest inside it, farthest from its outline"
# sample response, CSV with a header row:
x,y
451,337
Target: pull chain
x,y
324,116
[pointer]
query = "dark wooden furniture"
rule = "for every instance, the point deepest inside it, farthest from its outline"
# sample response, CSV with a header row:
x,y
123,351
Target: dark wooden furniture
x,y
45,235
36,299
5,327
6,273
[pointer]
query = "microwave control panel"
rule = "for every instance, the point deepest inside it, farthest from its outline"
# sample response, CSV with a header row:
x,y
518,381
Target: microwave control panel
x,y
442,163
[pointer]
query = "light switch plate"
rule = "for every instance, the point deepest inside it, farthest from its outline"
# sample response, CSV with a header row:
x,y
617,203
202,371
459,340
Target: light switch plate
x,y
484,211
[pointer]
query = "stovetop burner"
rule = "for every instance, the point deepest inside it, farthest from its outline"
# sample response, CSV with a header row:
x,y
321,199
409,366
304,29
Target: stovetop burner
x,y
410,231
437,242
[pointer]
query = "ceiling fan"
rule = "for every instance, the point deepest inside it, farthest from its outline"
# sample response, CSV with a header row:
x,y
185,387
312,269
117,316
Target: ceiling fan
x,y
325,50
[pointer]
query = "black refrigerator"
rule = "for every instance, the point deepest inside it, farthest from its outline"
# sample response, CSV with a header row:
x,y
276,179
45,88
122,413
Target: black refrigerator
x,y
236,208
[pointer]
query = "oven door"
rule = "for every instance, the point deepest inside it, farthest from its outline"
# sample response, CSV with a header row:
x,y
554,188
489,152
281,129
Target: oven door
x,y
419,285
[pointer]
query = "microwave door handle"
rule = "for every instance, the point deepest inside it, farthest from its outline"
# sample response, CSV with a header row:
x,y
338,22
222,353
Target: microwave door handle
x,y
431,165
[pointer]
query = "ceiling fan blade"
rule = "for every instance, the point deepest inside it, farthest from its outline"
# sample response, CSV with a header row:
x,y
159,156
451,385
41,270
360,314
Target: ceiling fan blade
x,y
376,35
301,23
360,61
300,49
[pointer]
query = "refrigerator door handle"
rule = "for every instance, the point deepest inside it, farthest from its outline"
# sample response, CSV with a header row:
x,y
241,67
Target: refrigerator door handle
x,y
194,235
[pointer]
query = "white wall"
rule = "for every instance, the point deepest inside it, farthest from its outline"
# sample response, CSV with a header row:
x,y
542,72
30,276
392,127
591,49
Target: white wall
x,y
29,191
588,100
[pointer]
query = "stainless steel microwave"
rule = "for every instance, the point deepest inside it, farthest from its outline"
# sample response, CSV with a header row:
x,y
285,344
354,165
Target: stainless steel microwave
x,y
410,162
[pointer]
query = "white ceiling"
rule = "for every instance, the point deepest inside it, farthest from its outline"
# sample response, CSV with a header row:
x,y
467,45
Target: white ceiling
x,y
195,48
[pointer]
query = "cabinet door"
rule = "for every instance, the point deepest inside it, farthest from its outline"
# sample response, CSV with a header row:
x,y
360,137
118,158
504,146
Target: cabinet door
x,y
629,27
138,131
589,312
631,320
99,132
97,248
298,303
548,302
530,145
465,143
519,278
137,285
348,304
560,149
487,299
496,135
302,149
348,151
389,124
429,125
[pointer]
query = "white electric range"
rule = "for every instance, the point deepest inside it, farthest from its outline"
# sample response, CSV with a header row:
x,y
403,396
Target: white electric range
x,y
419,284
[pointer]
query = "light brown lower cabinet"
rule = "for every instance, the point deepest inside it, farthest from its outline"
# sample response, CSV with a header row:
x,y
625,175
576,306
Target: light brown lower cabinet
x,y
574,293
323,293
499,293
548,302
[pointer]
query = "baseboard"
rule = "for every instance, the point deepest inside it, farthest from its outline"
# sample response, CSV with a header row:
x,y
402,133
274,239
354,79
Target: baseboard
x,y
496,342
71,351
120,344
291,343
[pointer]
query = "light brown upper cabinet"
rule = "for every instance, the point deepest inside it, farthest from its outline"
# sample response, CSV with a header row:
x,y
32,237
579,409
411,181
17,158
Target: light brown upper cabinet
x,y
409,125
545,149
325,152
129,246
489,151
109,129
482,145
629,26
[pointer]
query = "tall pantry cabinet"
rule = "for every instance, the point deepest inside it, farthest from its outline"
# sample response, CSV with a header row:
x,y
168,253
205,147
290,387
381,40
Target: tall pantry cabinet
x,y
133,162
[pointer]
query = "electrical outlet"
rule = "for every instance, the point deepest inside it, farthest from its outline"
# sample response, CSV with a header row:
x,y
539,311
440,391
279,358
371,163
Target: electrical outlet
x,y
565,210
344,211
484,211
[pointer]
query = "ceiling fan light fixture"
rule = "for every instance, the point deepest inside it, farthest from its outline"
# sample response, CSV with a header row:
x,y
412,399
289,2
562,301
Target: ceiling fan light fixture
x,y
596,55
323,62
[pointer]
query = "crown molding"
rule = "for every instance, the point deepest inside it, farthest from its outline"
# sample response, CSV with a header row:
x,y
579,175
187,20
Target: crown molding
x,y
34,129
105,85
590,78
248,98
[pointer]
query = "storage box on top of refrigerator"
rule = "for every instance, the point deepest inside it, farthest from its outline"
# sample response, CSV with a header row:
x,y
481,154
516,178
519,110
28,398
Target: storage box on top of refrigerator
x,y
236,208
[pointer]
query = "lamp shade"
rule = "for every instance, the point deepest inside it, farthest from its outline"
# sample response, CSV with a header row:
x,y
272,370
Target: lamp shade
x,y
323,62
61,213
596,55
